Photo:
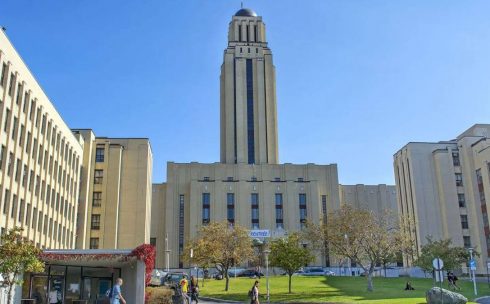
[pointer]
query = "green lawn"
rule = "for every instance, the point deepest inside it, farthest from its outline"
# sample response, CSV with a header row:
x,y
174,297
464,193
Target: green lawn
x,y
333,289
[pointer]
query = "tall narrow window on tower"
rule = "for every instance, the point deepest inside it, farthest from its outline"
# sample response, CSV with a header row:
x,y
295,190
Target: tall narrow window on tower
x,y
254,199
181,228
230,202
250,113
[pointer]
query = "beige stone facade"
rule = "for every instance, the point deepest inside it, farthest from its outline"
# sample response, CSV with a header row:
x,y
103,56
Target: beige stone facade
x,y
116,192
378,198
442,188
40,158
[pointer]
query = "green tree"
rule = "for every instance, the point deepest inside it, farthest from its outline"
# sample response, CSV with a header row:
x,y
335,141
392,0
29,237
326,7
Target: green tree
x,y
289,254
17,256
452,256
364,238
222,245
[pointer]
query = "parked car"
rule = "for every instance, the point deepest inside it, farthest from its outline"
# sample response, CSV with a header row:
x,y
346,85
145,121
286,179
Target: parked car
x,y
156,277
329,273
172,279
249,273
315,271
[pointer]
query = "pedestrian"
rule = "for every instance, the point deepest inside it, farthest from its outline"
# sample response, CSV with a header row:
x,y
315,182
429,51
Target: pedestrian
x,y
194,289
451,278
255,293
184,287
116,295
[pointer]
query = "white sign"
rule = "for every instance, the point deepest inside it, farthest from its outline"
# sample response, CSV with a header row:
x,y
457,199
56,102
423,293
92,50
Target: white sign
x,y
437,263
259,233
439,276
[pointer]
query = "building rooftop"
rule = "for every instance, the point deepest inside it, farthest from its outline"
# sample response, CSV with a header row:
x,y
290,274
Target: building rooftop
x,y
246,12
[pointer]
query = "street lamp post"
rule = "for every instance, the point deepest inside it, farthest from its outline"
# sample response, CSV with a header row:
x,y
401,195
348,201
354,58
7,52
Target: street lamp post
x,y
266,253
167,254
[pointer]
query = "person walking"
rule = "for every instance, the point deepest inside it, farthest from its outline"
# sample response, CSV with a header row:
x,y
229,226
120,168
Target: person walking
x,y
116,295
194,290
184,287
255,293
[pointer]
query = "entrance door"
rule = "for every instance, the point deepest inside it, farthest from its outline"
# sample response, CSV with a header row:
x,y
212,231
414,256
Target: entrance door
x,y
39,289
95,290
56,289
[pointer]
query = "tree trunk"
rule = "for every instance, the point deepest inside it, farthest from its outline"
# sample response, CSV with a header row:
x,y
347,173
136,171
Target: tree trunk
x,y
370,279
9,294
290,275
227,278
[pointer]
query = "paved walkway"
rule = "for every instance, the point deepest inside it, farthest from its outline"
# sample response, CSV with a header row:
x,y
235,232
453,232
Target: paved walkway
x,y
483,300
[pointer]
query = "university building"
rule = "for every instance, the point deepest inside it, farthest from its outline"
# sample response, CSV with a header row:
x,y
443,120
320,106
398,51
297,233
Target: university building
x,y
442,188
249,187
40,158
66,188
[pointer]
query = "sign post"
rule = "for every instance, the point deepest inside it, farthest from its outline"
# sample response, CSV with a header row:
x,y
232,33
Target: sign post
x,y
437,263
472,269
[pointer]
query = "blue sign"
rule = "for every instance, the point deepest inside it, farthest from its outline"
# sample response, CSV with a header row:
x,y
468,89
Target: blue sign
x,y
472,264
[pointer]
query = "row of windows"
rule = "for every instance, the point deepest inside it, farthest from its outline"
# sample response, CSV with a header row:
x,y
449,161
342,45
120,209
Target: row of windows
x,y
254,201
25,214
252,179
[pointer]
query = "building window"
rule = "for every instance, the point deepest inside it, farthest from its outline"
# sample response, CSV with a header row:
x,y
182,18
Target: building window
x,y
302,210
279,211
467,241
324,205
301,180
464,221
4,75
254,179
461,200
153,241
459,179
254,200
206,208
98,176
6,203
181,228
206,178
94,243
230,206
97,199
95,224
250,112
99,155
456,161
11,85
5,126
2,154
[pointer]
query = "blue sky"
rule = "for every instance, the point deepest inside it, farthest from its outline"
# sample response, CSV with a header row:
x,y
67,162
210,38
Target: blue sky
x,y
356,80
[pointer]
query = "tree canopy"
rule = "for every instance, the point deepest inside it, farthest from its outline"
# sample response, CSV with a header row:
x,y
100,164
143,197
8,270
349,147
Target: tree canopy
x,y
452,256
289,254
362,237
17,256
220,244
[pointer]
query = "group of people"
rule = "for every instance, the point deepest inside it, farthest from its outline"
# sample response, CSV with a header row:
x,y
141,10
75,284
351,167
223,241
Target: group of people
x,y
190,293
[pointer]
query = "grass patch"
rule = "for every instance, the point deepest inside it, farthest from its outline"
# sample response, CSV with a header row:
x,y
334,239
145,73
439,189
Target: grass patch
x,y
334,290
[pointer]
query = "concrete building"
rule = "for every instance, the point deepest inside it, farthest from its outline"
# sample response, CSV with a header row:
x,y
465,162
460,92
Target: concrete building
x,y
377,198
115,204
40,158
52,178
442,188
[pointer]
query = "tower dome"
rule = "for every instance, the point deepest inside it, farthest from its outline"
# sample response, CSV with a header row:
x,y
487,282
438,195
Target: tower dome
x,y
246,12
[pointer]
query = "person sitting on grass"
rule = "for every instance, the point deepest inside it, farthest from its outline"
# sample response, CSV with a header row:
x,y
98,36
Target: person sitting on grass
x,y
408,286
